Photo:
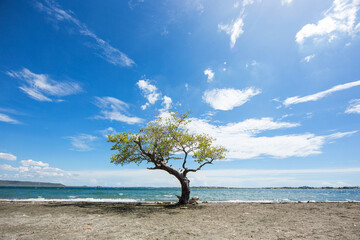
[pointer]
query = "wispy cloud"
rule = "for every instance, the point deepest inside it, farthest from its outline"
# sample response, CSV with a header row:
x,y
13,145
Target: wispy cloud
x,y
41,87
114,109
319,95
104,49
340,18
241,139
228,98
149,91
8,119
210,74
82,142
134,3
108,131
7,156
253,63
354,106
308,58
34,169
286,2
235,29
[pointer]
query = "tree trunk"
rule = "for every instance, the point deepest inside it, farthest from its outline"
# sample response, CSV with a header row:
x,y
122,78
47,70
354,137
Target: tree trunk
x,y
185,191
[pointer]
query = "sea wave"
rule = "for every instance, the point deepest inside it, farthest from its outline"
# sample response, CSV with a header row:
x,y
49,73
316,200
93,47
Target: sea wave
x,y
124,200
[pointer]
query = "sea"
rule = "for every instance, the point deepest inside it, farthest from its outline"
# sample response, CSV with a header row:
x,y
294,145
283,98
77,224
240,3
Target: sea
x,y
103,194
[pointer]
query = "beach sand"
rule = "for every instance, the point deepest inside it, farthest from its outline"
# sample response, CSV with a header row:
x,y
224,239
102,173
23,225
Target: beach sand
x,y
64,220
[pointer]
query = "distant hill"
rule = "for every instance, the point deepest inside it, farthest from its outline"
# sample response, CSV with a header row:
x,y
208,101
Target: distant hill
x,y
7,183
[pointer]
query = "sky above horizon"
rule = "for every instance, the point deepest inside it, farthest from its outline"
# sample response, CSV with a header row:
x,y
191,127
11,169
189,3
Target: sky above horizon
x,y
276,82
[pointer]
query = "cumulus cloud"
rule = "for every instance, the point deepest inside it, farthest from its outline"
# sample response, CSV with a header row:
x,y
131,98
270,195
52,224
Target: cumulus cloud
x,y
166,103
319,95
210,74
114,109
7,156
41,87
340,18
8,119
354,106
82,142
228,98
150,92
241,139
103,48
308,58
34,169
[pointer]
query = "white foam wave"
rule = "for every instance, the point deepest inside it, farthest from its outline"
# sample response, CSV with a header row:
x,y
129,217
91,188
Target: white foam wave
x,y
124,200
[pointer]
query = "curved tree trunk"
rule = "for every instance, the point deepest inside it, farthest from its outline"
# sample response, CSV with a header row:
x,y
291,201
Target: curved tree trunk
x,y
185,191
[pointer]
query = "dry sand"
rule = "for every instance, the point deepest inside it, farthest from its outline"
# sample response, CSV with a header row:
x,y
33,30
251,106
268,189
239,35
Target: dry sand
x,y
39,220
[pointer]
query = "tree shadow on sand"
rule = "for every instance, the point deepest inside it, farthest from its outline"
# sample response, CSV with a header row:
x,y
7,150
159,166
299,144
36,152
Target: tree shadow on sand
x,y
139,209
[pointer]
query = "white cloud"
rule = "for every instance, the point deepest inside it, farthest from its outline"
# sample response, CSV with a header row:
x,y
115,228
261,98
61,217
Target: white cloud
x,y
41,87
241,140
228,98
286,2
114,109
104,49
247,2
150,92
8,119
166,103
82,142
319,95
340,18
7,156
234,29
253,64
354,106
186,86
108,131
34,169
217,177
133,3
308,58
210,74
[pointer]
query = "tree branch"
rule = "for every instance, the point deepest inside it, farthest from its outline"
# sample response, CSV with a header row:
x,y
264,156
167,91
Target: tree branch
x,y
197,169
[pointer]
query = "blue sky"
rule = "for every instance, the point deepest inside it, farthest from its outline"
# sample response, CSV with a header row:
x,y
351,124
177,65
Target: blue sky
x,y
276,82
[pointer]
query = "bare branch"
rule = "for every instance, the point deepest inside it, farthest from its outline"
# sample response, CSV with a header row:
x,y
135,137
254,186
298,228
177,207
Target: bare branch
x,y
197,169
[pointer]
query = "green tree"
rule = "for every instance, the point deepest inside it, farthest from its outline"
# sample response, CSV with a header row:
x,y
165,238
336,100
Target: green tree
x,y
163,140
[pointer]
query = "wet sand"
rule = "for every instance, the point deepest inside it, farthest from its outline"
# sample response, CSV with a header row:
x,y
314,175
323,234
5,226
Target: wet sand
x,y
63,220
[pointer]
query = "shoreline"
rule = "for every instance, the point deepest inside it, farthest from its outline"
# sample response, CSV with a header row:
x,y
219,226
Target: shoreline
x,y
99,220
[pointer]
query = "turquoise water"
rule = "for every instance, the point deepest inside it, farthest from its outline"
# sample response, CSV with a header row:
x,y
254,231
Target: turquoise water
x,y
168,194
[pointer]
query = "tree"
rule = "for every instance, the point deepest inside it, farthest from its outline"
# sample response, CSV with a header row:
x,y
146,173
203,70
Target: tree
x,y
163,140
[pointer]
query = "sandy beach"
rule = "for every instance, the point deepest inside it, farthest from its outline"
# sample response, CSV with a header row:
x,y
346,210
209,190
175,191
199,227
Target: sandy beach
x,y
64,220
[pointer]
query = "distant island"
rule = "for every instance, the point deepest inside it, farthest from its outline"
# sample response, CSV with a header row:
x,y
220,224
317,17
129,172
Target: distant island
x,y
8,183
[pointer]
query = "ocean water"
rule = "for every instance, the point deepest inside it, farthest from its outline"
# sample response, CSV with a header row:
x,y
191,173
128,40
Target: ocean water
x,y
93,194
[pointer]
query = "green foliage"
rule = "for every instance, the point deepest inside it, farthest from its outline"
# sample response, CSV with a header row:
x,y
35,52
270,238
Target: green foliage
x,y
164,139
